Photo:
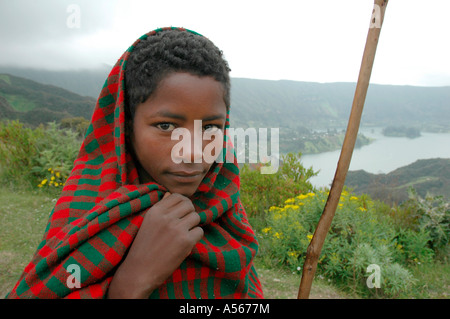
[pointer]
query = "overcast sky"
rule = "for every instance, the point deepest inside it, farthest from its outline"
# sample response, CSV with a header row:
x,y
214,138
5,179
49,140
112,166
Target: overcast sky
x,y
314,40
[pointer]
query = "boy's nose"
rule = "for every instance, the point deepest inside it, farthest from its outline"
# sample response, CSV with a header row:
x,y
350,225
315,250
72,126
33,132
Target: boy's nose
x,y
190,148
194,153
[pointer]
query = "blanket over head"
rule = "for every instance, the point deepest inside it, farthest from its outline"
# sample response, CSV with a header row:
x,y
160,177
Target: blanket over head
x,y
102,206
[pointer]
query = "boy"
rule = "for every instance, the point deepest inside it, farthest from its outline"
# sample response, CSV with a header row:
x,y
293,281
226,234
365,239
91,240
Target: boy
x,y
135,219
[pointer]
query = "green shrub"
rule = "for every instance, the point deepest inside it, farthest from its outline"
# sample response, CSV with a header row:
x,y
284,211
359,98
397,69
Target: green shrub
x,y
394,278
414,246
58,151
358,237
433,215
260,191
18,150
42,156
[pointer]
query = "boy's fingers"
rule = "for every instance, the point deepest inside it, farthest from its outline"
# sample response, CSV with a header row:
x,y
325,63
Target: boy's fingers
x,y
191,220
176,205
197,233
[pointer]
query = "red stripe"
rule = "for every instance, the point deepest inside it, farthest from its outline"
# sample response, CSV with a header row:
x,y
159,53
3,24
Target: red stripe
x,y
113,257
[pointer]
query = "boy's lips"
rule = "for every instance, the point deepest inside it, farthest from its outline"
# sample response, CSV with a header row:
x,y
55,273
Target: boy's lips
x,y
185,176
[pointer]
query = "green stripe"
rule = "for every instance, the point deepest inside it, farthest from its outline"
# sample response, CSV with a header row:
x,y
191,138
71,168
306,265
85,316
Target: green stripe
x,y
91,253
106,100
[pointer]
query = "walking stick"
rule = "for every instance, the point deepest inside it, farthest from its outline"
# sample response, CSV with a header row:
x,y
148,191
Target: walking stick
x,y
315,247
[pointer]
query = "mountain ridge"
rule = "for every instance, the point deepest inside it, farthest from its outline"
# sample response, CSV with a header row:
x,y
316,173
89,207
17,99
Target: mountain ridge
x,y
426,176
293,106
36,103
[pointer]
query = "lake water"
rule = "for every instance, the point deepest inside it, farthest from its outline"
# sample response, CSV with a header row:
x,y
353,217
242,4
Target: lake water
x,y
383,155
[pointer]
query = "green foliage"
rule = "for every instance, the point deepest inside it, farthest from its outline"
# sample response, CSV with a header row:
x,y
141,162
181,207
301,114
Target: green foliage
x,y
18,149
77,124
260,191
359,236
58,151
394,278
414,245
431,215
42,156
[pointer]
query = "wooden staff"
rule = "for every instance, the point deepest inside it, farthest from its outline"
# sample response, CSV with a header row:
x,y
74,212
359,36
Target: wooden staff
x,y
315,247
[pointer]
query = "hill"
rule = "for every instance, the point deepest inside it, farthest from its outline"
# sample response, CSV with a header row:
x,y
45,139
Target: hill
x,y
327,105
311,117
430,176
294,107
83,82
35,103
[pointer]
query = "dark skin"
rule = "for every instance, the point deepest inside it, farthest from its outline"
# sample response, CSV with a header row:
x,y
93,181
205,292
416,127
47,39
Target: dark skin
x,y
170,228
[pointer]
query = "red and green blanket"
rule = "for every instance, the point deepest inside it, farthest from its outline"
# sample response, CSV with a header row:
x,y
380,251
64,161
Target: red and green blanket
x,y
102,206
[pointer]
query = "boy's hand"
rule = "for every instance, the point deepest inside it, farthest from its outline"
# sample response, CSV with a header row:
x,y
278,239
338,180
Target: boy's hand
x,y
167,235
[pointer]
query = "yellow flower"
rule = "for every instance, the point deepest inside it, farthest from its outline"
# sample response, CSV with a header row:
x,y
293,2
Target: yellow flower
x,y
266,230
309,237
353,198
278,215
44,181
311,194
58,174
362,209
290,200
53,178
274,208
302,196
278,235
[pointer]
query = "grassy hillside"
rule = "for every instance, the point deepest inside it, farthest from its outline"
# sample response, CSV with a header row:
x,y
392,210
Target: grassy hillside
x,y
82,82
34,103
426,176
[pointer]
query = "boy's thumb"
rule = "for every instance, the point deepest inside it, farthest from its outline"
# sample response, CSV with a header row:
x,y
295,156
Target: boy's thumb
x,y
166,194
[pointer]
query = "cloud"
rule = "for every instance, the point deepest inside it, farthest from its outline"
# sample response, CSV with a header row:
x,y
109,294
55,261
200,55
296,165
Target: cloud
x,y
41,34
299,40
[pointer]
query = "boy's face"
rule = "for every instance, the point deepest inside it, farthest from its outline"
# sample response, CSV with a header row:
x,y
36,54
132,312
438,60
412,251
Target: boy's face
x,y
179,99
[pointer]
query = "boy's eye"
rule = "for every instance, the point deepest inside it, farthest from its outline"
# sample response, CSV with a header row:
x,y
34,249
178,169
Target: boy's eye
x,y
210,128
167,127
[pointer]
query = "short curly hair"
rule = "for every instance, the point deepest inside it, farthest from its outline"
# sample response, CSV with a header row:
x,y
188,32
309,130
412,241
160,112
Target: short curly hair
x,y
167,51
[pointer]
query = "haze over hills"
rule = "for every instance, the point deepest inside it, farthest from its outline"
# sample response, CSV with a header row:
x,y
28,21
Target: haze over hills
x,y
292,106
327,105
